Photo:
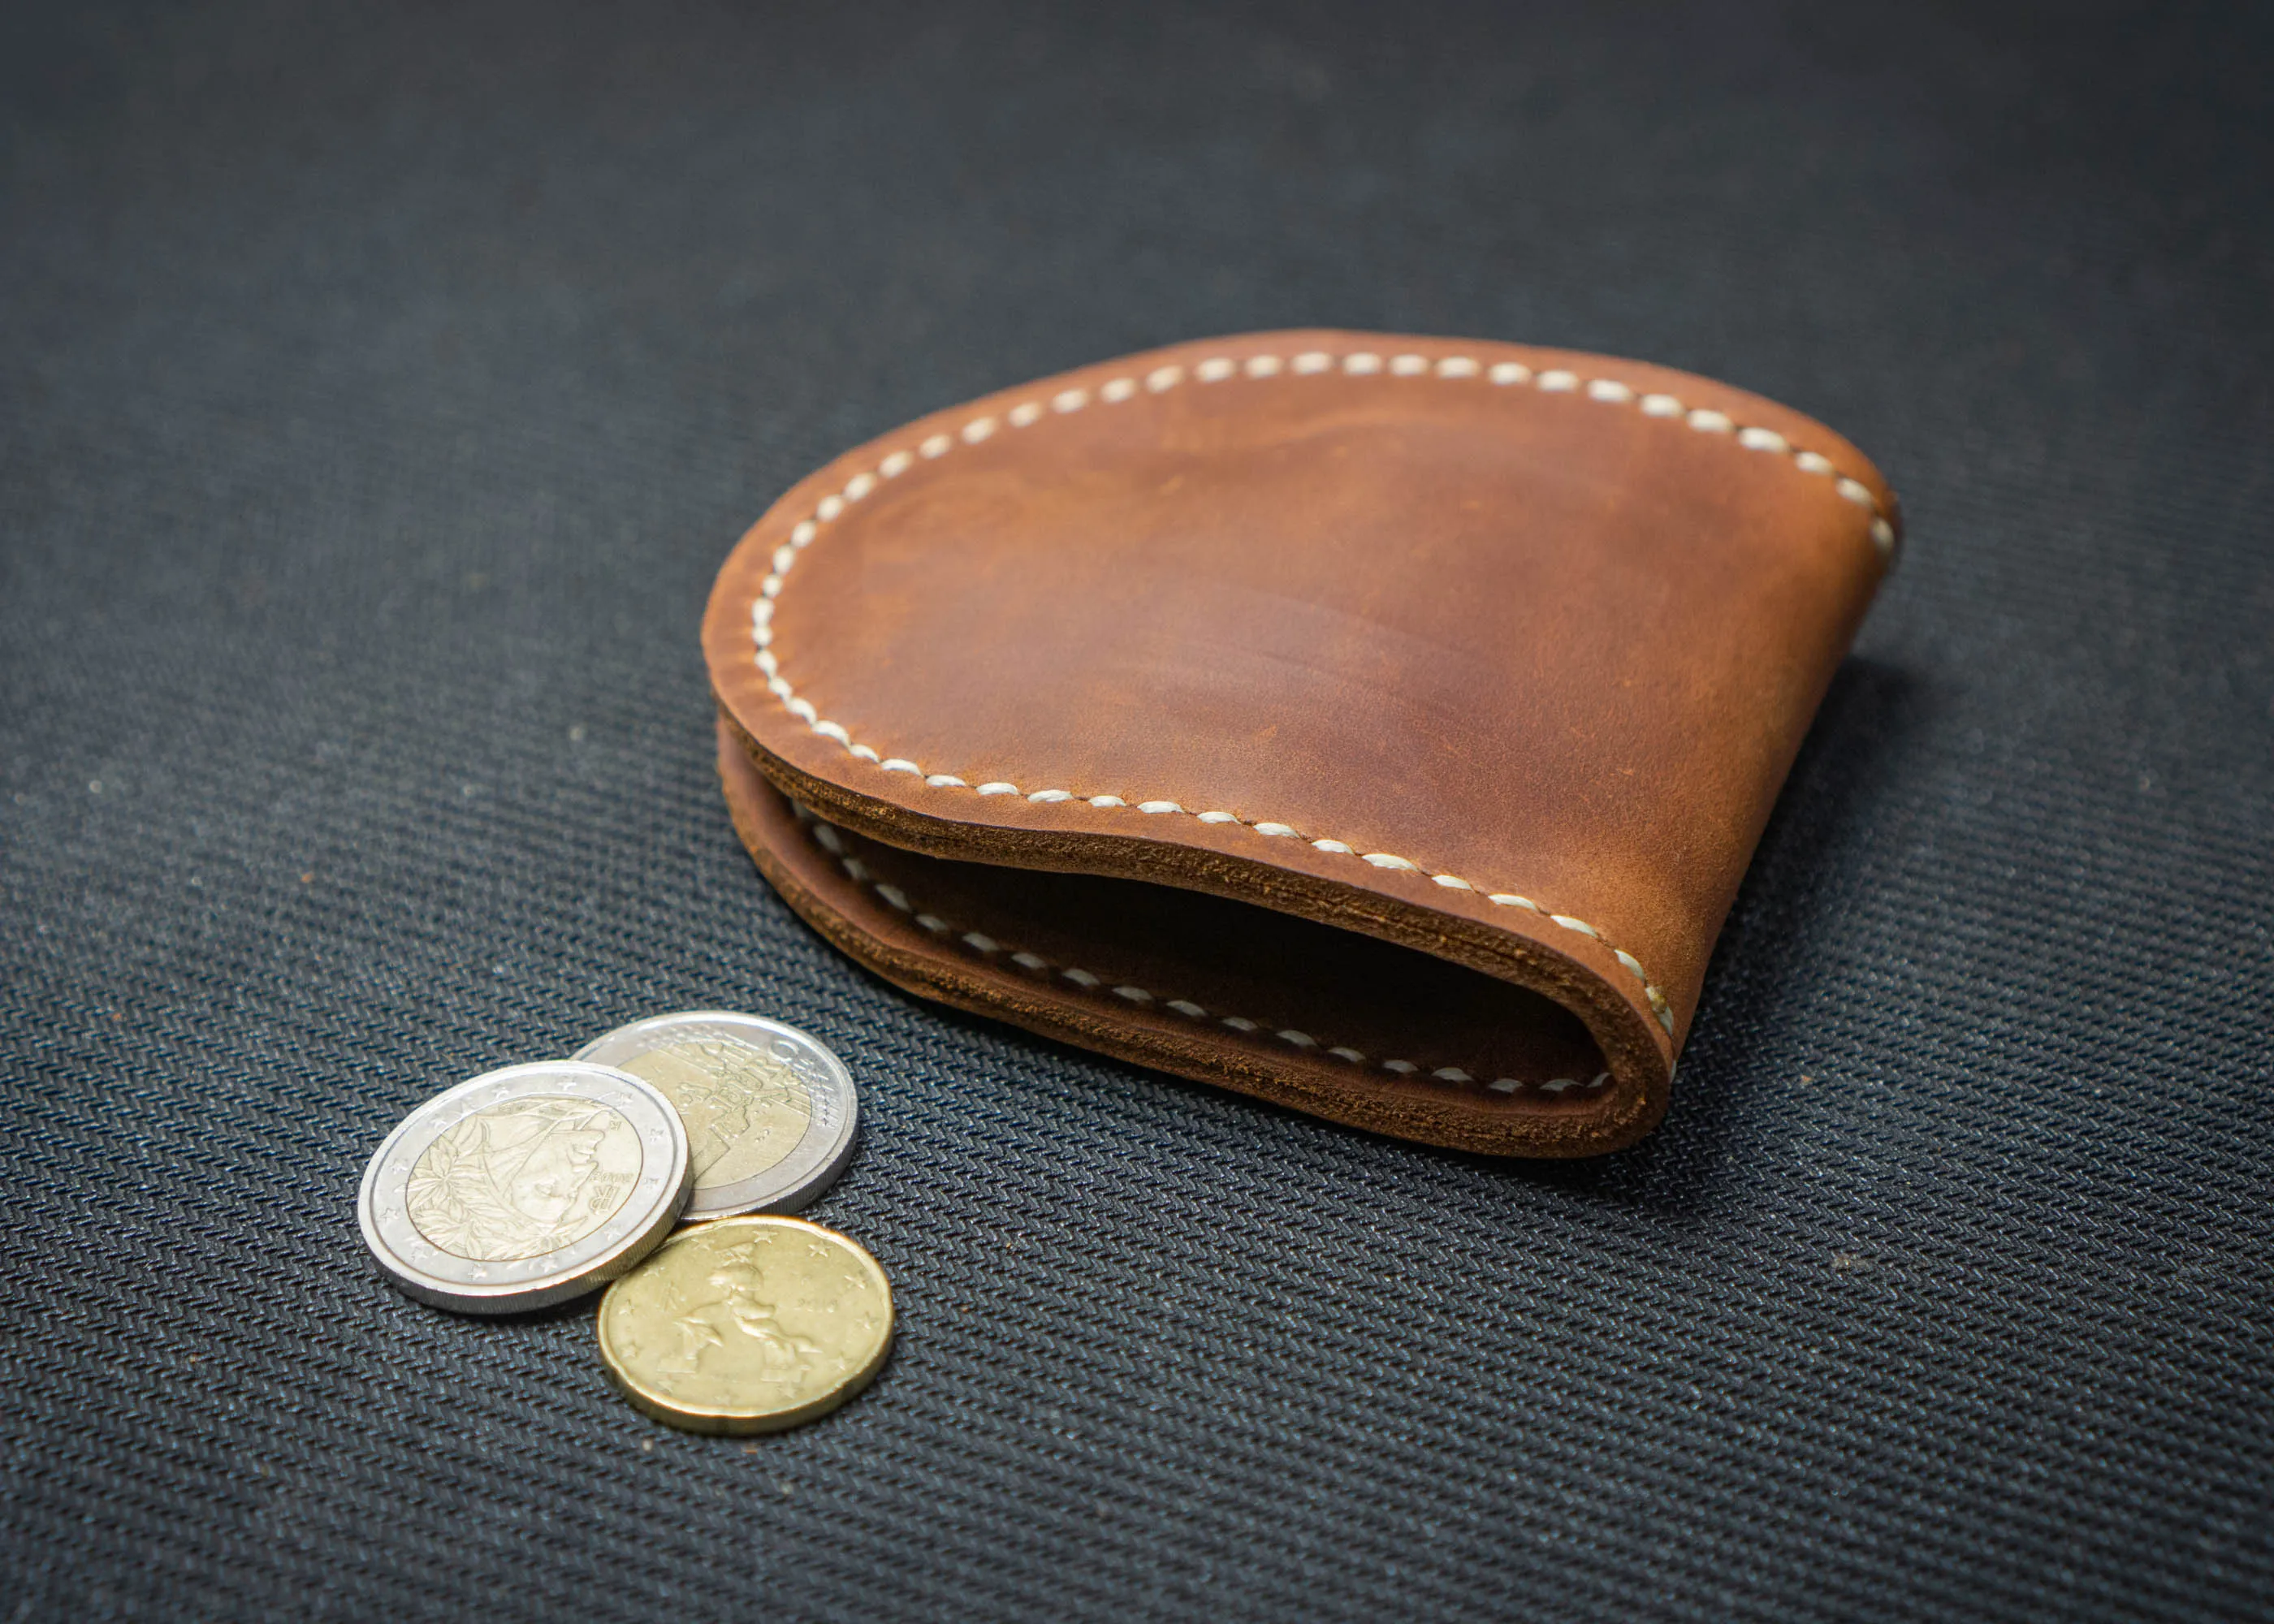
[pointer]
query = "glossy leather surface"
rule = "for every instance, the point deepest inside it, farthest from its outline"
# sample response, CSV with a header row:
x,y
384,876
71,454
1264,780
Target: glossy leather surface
x,y
1494,654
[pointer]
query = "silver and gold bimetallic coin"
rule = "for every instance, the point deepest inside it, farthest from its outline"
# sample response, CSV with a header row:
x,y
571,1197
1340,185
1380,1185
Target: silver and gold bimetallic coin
x,y
525,1186
770,1112
747,1325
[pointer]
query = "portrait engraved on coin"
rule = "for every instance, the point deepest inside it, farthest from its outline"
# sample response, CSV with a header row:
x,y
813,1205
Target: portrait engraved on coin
x,y
524,1187
748,1325
745,1110
524,1178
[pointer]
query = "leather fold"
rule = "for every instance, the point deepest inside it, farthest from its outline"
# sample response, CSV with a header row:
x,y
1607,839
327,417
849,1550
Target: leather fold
x,y
1378,725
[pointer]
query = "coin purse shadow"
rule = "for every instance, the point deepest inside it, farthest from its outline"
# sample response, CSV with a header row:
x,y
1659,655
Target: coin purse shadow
x,y
1378,725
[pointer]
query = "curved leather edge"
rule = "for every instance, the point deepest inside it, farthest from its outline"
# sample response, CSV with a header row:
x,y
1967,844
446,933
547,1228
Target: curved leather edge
x,y
1640,1037
888,944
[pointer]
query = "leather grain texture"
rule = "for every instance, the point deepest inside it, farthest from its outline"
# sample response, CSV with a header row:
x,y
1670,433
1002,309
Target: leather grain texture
x,y
1077,957
1495,653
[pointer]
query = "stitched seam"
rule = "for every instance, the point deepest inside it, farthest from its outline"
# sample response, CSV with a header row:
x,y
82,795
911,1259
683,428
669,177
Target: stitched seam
x,y
1217,369
989,949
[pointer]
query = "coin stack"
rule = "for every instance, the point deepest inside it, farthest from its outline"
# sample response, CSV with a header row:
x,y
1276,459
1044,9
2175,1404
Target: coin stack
x,y
659,1161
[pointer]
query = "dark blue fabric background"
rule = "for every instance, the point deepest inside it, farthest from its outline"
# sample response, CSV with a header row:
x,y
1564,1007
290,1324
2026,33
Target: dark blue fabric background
x,y
381,390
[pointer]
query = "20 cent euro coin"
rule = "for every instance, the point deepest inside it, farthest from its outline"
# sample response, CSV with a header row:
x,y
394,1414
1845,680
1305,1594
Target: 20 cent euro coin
x,y
770,1112
748,1325
524,1187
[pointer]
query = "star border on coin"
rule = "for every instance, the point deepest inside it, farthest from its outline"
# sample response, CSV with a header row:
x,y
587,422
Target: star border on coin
x,y
742,1423
516,1285
833,1126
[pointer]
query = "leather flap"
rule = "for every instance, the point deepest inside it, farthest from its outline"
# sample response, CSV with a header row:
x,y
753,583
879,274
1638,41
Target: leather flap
x,y
1495,655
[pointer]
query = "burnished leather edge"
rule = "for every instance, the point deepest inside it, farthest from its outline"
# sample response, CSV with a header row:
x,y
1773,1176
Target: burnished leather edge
x,y
887,943
1561,957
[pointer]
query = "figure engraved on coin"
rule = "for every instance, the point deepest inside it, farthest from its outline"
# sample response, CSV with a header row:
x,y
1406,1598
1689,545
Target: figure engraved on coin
x,y
744,1110
747,1325
733,1315
524,1178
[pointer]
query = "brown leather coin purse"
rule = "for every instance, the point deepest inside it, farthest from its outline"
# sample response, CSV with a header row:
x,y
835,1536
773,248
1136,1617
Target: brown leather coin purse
x,y
1378,725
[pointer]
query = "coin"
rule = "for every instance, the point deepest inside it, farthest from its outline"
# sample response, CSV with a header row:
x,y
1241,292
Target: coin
x,y
525,1186
770,1112
748,1325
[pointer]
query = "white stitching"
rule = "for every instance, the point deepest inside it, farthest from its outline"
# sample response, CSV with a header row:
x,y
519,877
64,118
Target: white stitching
x,y
832,840
1310,361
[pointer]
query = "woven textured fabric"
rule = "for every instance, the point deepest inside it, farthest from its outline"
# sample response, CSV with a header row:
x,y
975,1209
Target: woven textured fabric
x,y
382,391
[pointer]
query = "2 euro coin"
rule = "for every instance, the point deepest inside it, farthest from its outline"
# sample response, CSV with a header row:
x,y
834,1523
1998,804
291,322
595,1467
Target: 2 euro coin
x,y
525,1186
770,1112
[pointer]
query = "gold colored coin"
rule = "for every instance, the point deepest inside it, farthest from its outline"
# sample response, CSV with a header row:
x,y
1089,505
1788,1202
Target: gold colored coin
x,y
747,1325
